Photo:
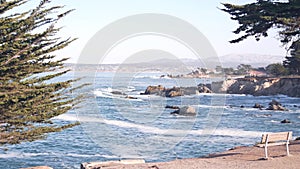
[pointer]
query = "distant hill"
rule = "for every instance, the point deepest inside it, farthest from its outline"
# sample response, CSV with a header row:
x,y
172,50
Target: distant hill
x,y
256,60
230,60
185,64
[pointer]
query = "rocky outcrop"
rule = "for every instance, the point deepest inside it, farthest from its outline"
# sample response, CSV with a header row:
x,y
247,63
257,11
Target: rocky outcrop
x,y
222,86
258,106
157,90
171,107
259,86
176,91
117,93
122,95
275,105
285,121
185,111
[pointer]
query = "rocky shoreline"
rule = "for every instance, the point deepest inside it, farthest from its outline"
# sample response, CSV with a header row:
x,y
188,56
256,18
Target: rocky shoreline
x,y
257,86
176,91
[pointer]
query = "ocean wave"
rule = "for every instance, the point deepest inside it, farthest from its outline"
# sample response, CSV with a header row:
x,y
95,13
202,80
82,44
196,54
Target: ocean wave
x,y
105,94
89,155
147,77
28,155
21,155
131,88
222,94
159,131
209,106
66,117
274,121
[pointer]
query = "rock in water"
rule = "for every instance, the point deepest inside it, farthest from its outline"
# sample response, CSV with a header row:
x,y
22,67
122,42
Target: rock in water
x,y
175,91
258,106
185,111
118,93
285,121
158,90
275,105
171,107
130,97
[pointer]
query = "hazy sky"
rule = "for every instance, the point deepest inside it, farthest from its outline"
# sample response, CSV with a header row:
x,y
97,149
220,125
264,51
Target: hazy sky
x,y
91,16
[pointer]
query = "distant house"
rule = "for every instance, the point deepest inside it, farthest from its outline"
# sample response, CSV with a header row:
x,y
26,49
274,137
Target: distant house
x,y
258,73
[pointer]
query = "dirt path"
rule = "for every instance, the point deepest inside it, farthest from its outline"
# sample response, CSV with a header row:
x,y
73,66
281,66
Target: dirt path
x,y
241,157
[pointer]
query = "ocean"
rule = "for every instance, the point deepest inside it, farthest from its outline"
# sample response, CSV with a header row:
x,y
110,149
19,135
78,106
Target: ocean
x,y
115,127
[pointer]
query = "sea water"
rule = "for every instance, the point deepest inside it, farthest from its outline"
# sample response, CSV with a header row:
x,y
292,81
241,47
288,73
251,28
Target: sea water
x,y
114,127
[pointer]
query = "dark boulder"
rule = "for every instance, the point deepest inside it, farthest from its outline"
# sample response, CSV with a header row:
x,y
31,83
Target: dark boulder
x,y
117,93
172,107
258,106
285,121
173,92
204,88
130,97
158,90
185,111
275,105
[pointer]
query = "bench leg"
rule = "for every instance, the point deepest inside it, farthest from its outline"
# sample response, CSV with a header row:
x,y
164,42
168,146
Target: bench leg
x,y
266,152
287,149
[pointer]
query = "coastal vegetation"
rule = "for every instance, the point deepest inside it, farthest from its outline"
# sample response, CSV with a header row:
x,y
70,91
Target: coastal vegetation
x,y
29,96
256,19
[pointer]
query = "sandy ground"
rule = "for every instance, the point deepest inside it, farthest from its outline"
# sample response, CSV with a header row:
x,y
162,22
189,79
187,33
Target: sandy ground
x,y
240,157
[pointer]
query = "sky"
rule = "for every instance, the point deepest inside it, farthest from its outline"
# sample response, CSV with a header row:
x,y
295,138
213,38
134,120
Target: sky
x,y
91,16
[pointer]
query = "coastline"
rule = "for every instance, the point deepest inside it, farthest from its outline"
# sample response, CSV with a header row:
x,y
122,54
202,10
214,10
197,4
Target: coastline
x,y
238,157
259,86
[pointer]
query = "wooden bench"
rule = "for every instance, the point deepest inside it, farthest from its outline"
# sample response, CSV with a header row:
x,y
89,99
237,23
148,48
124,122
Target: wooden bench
x,y
274,139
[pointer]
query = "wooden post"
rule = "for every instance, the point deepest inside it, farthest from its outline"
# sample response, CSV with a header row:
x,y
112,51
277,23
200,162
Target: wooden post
x,y
287,144
266,147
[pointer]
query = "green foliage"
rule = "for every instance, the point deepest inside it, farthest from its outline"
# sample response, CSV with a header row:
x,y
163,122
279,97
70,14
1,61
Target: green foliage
x,y
28,99
292,63
276,69
228,71
243,69
255,19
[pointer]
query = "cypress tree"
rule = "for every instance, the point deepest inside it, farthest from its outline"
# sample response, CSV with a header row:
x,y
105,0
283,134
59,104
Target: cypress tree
x,y
292,62
28,98
255,19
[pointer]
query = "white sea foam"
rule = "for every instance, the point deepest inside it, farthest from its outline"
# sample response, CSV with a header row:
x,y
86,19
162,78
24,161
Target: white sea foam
x,y
106,94
144,77
221,94
274,121
88,155
209,106
21,155
97,93
130,88
156,130
27,155
66,117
